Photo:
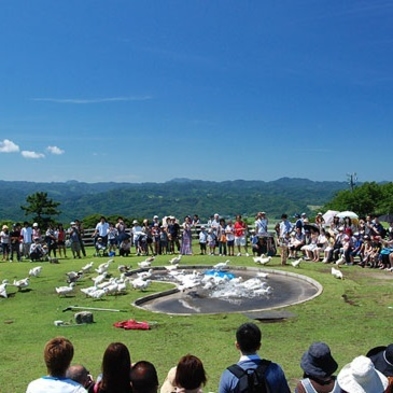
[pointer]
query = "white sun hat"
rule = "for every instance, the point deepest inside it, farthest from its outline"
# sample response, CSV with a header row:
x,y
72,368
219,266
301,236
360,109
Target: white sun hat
x,y
360,376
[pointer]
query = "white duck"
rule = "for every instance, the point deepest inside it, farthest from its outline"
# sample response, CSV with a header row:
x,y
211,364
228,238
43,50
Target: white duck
x,y
140,284
35,271
262,275
3,288
263,291
337,273
221,265
175,260
340,261
97,294
73,276
87,267
296,263
21,284
144,264
99,279
263,261
256,259
65,290
145,275
171,267
88,291
123,268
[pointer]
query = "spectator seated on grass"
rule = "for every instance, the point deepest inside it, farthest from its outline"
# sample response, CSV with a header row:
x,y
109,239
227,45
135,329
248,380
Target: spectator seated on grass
x,y
318,366
58,354
248,342
79,373
144,378
187,377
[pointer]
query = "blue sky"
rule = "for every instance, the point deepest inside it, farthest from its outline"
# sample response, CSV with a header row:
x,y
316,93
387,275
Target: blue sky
x,y
148,91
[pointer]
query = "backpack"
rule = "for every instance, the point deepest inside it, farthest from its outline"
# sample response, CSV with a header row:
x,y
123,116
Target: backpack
x,y
251,380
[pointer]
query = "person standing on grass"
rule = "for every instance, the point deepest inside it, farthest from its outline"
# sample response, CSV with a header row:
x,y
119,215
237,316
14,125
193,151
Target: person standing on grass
x,y
186,240
26,234
248,343
74,235
81,231
261,224
230,235
284,239
202,240
61,238
15,242
101,230
240,235
58,354
5,242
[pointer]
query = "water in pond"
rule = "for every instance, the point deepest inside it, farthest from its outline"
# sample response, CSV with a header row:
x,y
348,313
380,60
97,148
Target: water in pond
x,y
209,291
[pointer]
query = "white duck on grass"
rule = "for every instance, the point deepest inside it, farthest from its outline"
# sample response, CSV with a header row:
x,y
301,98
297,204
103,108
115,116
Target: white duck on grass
x,y
35,271
103,267
175,260
22,284
65,290
145,275
87,268
296,263
337,273
140,284
3,288
262,260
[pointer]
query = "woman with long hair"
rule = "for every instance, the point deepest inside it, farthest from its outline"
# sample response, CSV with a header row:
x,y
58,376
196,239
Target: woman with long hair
x,y
116,367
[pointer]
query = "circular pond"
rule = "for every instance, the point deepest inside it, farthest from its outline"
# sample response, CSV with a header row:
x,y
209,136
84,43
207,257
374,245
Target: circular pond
x,y
235,290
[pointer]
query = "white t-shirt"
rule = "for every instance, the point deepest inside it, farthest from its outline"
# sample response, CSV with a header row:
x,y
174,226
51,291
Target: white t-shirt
x,y
55,385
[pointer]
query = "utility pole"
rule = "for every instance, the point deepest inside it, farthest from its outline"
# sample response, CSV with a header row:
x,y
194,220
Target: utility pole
x,y
352,179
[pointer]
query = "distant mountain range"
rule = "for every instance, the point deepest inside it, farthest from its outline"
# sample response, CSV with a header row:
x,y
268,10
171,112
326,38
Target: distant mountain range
x,y
177,197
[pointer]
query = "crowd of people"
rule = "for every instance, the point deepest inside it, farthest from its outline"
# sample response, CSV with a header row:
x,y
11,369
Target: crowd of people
x,y
363,242
370,373
354,241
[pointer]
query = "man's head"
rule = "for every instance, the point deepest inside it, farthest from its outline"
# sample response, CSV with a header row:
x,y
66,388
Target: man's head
x,y
58,354
79,373
248,338
144,377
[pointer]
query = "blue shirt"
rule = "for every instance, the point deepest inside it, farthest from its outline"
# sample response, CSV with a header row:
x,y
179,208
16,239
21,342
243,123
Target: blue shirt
x,y
274,375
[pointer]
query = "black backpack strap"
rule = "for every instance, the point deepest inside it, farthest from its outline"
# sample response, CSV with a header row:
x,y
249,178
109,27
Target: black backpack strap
x,y
236,370
264,364
239,373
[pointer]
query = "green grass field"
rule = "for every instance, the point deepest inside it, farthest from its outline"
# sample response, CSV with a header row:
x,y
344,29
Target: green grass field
x,y
349,328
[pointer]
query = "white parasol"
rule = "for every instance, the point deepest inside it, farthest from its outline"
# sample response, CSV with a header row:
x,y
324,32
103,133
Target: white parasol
x,y
349,214
329,215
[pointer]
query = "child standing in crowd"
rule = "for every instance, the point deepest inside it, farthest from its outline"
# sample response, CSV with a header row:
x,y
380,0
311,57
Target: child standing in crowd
x,y
163,240
5,242
211,239
202,240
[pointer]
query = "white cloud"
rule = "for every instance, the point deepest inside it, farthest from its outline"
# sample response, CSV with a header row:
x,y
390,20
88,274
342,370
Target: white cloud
x,y
32,154
7,146
55,150
93,100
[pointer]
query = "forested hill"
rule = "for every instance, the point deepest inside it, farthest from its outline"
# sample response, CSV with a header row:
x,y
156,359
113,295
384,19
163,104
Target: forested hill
x,y
178,197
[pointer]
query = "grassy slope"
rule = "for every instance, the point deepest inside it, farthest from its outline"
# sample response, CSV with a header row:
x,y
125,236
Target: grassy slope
x,y
27,323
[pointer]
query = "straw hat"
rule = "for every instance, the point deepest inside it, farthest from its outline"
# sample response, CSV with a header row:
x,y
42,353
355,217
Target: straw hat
x,y
360,376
